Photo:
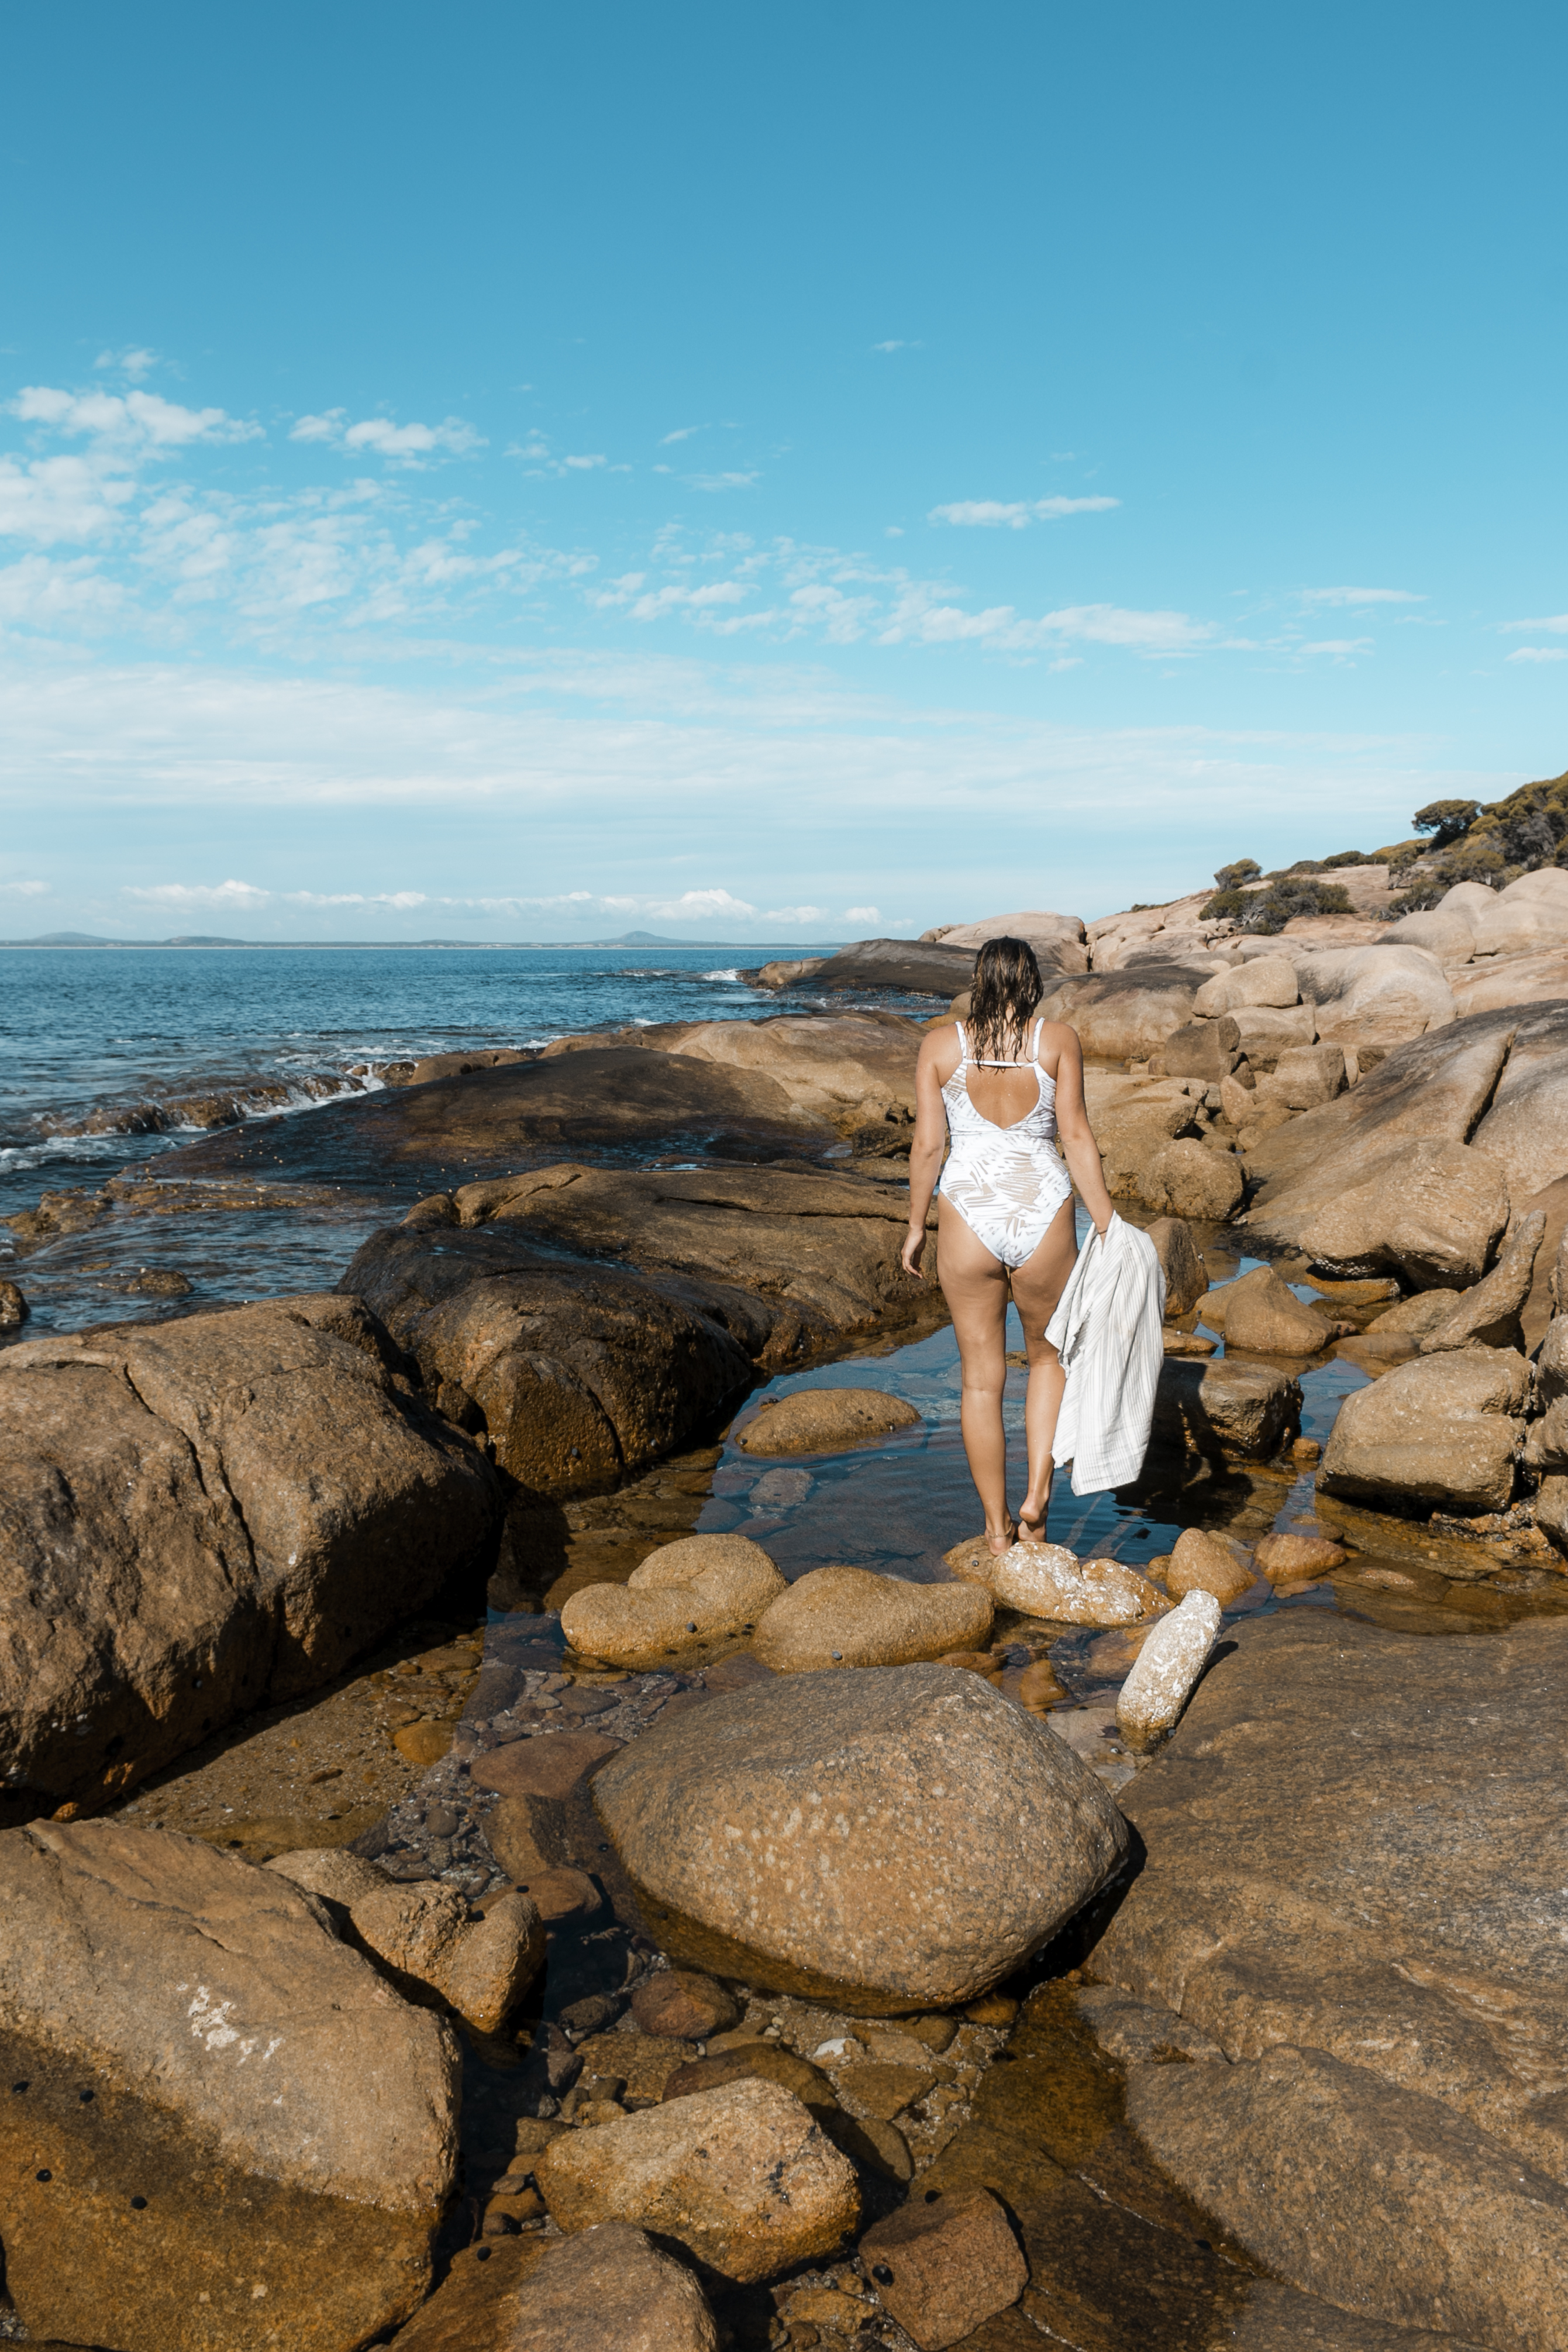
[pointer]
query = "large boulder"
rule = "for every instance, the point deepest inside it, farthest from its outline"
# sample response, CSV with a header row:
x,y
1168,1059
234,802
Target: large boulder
x,y
1529,914
1173,931
697,1589
1127,1016
852,1617
1265,980
610,2290
204,1515
1057,940
222,2126
1189,1179
588,1319
1431,1211
1307,1076
1503,981
1262,1316
1130,1135
1525,1128
848,1067
1224,1406
857,1836
1376,996
1350,1888
1449,935
1442,1434
741,2177
1488,1316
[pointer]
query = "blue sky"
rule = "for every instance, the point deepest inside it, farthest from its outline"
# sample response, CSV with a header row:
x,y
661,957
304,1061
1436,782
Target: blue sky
x,y
509,472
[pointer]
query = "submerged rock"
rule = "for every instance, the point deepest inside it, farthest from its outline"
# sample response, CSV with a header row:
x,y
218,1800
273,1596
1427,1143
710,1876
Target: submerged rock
x,y
741,2177
825,1421
852,1617
1201,1562
856,1836
701,1588
1263,1315
943,2267
203,1516
216,2111
1441,1433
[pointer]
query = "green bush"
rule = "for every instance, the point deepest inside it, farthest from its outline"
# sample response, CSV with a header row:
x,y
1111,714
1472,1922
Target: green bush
x,y
1245,869
1267,911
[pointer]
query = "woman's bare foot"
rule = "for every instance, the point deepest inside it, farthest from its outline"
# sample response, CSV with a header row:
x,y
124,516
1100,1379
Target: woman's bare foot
x,y
998,1544
1031,1529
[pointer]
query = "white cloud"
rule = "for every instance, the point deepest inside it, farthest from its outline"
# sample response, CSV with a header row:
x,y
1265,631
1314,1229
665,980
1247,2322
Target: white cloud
x,y
134,363
1555,626
994,514
898,347
43,591
863,914
1158,633
1360,596
721,481
584,465
132,418
682,433
1340,646
23,889
178,895
1539,654
403,445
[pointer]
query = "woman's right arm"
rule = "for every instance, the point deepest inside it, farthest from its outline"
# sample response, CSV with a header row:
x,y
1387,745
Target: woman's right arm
x,y
925,1151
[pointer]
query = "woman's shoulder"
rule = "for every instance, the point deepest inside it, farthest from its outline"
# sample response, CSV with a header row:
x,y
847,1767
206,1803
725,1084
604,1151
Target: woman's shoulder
x,y
940,1042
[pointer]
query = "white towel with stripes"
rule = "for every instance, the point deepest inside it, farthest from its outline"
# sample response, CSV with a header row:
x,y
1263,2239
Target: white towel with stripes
x,y
1107,1331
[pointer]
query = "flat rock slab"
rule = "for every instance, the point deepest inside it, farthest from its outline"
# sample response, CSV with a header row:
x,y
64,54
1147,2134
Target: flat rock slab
x,y
232,2132
1354,1880
856,1836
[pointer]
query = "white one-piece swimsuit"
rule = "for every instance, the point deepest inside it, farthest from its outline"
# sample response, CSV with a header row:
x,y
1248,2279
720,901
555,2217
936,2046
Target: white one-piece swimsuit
x,y
1006,1182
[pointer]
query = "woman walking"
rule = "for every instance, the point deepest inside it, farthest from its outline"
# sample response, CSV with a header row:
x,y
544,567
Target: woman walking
x,y
1005,1084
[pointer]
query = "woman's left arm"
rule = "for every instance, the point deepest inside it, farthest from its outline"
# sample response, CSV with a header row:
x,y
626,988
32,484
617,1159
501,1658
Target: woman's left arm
x,y
1079,1148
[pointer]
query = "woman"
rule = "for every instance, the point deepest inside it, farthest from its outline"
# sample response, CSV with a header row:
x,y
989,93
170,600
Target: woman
x,y
1005,1084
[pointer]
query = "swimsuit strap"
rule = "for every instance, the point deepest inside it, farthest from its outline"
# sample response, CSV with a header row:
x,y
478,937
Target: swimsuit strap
x,y
962,1046
1034,1049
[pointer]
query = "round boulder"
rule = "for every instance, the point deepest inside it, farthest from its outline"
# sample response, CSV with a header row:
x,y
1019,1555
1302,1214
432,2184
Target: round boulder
x,y
1189,1179
702,1589
852,1617
859,1838
825,1421
1206,1563
1047,1581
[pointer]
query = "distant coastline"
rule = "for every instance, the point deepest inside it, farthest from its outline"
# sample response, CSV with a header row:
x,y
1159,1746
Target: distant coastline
x,y
79,940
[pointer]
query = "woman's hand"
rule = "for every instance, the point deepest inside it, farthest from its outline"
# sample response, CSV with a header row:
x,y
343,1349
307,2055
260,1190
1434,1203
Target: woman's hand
x,y
914,1251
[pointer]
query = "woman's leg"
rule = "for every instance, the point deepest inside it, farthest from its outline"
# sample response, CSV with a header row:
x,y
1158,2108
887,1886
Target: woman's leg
x,y
975,1285
1037,1286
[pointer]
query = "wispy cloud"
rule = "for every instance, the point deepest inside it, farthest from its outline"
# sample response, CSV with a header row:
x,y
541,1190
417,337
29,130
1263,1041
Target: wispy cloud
x,y
135,362
994,514
721,481
129,420
1554,625
23,889
896,346
682,433
381,437
1539,654
1360,596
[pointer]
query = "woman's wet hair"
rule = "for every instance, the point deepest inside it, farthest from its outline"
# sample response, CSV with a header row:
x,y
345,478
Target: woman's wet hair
x,y
1004,993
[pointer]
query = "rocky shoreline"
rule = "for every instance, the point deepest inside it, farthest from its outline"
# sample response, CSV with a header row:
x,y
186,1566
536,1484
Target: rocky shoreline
x,y
456,1898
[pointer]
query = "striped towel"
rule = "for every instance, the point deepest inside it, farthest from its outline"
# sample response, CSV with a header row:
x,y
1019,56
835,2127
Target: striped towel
x,y
1107,1331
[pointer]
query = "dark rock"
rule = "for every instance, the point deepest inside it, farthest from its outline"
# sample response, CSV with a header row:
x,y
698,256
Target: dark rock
x,y
1127,1016
941,2269
681,2004
918,966
1202,1049
203,1516
753,2062
1224,1406
549,1764
1186,1278
14,1309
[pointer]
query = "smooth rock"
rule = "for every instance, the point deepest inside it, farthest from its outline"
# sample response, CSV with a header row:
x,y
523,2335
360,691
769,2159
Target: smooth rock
x,y
203,1516
1488,1315
1189,1179
1345,1860
1374,995
857,1835
1370,2196
1441,1433
1451,936
1546,1447
1552,1360
421,1934
1433,1212
849,1068
825,1421
1224,1406
1552,1510
1201,1049
684,2005
1413,1317
698,1590
1180,1262
290,2122
1367,1293
331,1872
923,967
1264,1315
753,2062
943,2269
1265,980
610,2290
1169,1662
1237,1095
1286,1558
1131,1136
1205,1563
852,1617
741,2177
549,1764
1127,1016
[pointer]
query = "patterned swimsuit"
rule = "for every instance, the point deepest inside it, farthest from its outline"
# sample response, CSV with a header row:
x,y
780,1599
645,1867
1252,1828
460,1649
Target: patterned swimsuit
x,y
1006,1182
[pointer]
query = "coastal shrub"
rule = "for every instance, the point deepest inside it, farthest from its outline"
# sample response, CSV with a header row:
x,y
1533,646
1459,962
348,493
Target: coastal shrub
x,y
1445,821
1244,869
1516,836
1267,911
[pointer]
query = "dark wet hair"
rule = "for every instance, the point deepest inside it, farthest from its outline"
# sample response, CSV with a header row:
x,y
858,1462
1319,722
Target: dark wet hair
x,y
1005,991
